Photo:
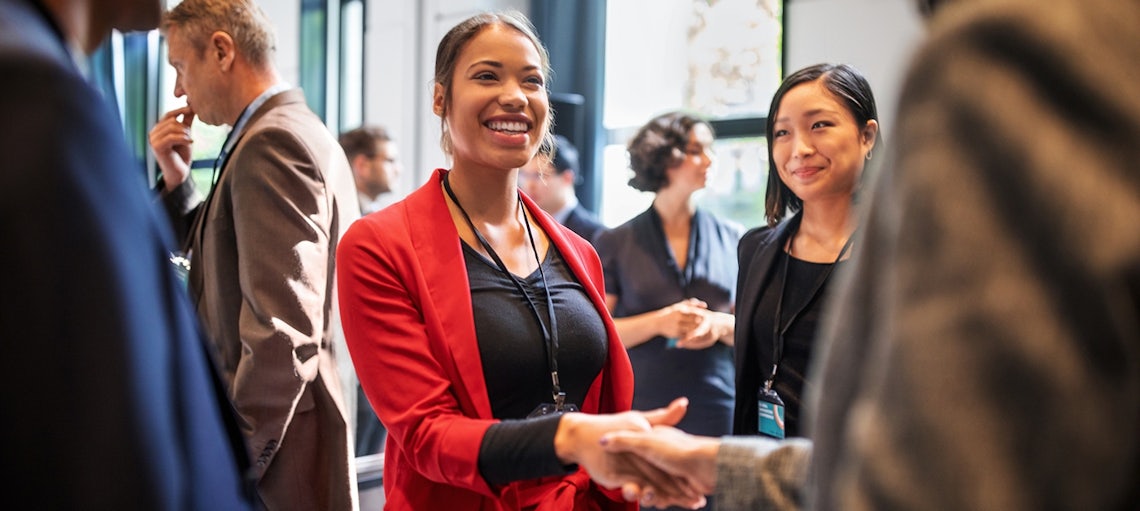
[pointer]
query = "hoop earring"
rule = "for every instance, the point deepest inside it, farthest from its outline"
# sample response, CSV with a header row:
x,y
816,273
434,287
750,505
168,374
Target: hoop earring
x,y
868,155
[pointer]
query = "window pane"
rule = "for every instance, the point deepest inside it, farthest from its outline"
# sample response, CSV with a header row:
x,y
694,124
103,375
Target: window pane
x,y
735,188
352,64
717,57
620,200
720,59
208,139
737,181
314,54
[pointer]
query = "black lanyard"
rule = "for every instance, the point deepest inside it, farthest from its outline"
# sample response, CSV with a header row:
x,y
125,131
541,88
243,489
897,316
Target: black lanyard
x,y
779,332
549,336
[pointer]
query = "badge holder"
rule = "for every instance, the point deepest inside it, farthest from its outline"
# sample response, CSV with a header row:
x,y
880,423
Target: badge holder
x,y
558,407
771,412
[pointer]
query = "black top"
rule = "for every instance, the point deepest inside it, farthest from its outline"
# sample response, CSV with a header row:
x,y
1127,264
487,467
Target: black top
x,y
641,270
799,339
515,365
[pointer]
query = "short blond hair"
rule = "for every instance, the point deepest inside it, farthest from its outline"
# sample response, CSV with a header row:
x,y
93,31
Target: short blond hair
x,y
243,20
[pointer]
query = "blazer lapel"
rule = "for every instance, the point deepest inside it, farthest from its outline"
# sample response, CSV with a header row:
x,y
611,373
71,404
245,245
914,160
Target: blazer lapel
x,y
437,246
759,270
614,391
559,241
199,227
193,243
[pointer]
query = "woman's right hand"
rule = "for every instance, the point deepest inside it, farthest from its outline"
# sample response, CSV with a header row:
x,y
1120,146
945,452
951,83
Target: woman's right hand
x,y
578,440
672,321
677,320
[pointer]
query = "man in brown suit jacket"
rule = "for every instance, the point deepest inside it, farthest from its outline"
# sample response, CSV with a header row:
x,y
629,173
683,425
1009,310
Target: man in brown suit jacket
x,y
261,247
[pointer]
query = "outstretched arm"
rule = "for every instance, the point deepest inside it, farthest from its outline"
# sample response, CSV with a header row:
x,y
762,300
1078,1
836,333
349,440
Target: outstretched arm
x,y
579,440
743,472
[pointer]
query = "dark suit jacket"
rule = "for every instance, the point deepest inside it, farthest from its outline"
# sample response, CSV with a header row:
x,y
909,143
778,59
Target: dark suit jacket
x,y
583,223
262,253
109,395
756,255
409,323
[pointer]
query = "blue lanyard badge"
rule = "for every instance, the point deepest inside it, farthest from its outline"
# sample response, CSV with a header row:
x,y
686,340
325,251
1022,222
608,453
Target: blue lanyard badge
x,y
771,411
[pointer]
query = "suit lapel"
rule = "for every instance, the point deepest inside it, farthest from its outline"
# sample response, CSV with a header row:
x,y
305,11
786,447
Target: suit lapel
x,y
197,236
759,272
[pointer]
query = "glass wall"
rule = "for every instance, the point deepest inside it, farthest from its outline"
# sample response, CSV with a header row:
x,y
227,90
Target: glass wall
x,y
721,59
351,64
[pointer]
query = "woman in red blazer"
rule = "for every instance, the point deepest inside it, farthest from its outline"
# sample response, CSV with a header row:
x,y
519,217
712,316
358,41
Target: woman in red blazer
x,y
473,319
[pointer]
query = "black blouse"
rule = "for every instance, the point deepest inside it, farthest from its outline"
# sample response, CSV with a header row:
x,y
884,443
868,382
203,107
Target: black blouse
x,y
515,364
799,339
642,272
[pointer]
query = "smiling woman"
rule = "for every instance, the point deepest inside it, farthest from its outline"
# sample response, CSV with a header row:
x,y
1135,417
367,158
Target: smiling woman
x,y
821,132
475,321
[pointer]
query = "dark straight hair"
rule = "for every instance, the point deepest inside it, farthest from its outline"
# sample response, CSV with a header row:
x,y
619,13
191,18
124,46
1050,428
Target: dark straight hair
x,y
850,88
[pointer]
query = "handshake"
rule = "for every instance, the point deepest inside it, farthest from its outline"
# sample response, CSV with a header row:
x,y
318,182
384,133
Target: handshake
x,y
640,452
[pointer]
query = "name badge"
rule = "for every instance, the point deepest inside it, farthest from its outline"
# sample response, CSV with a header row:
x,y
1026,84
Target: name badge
x,y
771,414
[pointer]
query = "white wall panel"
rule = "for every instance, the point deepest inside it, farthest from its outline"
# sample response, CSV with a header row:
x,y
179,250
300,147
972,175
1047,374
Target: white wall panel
x,y
285,15
875,36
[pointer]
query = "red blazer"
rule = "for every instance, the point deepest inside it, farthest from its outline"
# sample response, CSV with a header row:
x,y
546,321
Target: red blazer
x,y
406,311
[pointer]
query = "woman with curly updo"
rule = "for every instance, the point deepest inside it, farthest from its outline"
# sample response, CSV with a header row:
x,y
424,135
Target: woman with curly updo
x,y
671,277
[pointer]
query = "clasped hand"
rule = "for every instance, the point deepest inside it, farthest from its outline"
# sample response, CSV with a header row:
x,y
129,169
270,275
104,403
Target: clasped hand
x,y
692,324
690,460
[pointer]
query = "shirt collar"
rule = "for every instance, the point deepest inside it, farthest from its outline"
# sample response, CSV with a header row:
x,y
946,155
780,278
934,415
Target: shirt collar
x,y
243,119
564,213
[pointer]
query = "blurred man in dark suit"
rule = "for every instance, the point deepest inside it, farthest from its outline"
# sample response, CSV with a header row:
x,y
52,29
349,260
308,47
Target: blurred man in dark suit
x,y
110,398
549,180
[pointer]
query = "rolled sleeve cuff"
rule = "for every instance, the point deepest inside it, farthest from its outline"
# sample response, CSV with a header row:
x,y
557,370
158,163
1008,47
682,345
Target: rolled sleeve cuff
x,y
762,473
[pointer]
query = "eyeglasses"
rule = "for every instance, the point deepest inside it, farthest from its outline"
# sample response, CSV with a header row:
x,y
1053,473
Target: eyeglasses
x,y
527,176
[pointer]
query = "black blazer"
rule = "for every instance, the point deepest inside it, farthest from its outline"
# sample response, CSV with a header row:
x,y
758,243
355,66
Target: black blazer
x,y
583,223
756,255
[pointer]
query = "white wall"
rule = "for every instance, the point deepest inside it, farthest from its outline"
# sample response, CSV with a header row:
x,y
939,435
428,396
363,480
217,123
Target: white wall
x,y
875,36
285,15
400,39
392,81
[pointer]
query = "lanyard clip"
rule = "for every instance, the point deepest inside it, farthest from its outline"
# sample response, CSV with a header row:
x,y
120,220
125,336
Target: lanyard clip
x,y
559,396
771,379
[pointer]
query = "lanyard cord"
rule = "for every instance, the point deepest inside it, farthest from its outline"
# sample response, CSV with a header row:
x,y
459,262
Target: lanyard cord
x,y
778,333
549,337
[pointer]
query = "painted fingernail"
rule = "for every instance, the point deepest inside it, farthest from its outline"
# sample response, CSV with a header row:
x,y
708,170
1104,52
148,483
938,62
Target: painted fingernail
x,y
629,495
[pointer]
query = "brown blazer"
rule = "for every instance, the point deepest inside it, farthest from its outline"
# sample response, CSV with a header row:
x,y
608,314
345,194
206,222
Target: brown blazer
x,y
262,250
